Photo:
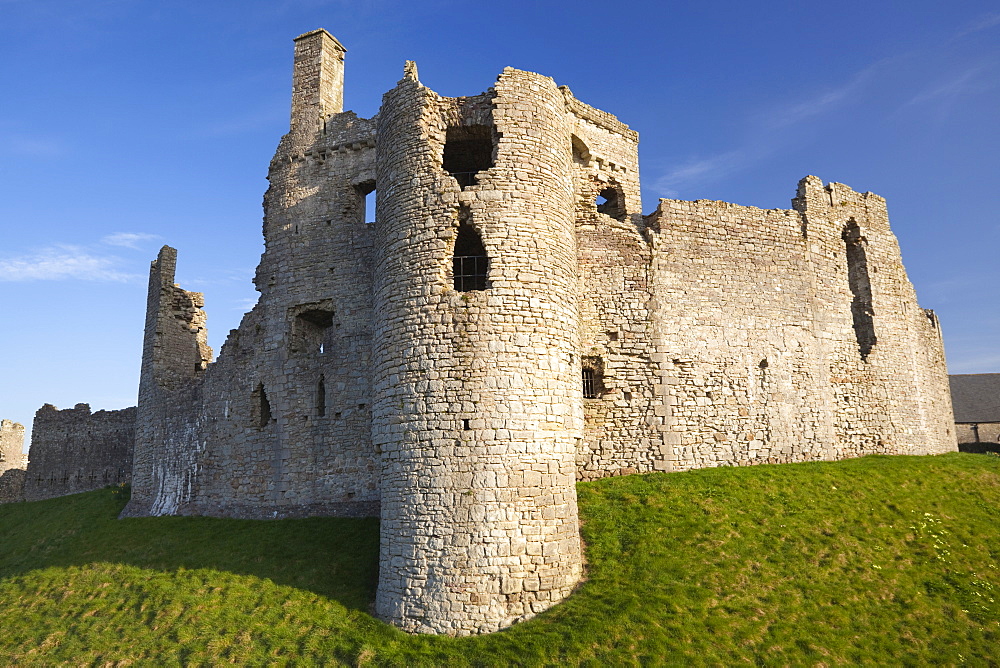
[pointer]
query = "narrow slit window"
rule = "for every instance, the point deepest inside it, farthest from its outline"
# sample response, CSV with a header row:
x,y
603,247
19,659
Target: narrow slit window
x,y
260,407
370,207
468,150
593,377
581,154
589,391
862,312
321,397
471,264
366,197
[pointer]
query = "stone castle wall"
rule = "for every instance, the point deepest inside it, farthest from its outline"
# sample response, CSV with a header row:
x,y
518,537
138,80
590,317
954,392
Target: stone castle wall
x,y
74,450
371,379
279,426
12,446
13,461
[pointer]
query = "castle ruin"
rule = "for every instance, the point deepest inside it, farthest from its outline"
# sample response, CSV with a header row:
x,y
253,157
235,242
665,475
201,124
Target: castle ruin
x,y
507,322
12,461
72,451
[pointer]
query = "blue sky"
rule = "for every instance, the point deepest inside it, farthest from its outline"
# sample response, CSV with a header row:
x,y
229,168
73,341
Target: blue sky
x,y
128,124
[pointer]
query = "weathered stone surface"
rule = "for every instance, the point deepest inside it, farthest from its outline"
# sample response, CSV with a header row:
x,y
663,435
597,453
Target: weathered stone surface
x,y
12,461
74,450
511,323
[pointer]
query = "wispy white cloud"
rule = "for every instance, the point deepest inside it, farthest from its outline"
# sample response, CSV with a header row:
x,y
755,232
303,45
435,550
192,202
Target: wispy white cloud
x,y
697,170
128,239
248,122
767,133
944,94
227,277
246,304
829,100
63,262
984,22
33,146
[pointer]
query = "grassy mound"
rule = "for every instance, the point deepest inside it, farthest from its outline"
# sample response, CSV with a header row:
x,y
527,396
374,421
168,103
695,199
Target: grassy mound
x,y
876,560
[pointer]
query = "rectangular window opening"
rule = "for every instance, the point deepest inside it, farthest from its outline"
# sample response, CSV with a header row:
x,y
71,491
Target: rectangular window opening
x,y
589,386
468,150
593,377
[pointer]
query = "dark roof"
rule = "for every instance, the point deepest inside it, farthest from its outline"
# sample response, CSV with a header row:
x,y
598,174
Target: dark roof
x,y
976,397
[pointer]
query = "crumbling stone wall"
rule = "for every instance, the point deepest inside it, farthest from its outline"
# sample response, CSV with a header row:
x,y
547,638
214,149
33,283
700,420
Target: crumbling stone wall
x,y
616,298
509,323
74,450
758,346
11,446
13,461
280,425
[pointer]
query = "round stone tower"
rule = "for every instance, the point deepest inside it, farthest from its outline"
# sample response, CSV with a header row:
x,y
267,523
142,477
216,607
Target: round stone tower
x,y
477,393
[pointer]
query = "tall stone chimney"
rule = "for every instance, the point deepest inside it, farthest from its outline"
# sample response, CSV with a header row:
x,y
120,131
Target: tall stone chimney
x,y
317,80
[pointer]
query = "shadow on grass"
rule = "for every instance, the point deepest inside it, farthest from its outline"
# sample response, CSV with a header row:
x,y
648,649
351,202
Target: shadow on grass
x,y
333,557
980,448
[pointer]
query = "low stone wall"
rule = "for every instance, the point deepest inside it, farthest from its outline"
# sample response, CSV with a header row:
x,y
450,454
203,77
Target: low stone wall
x,y
977,432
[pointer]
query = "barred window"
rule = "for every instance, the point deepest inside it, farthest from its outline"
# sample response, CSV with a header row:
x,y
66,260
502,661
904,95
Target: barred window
x,y
471,264
589,386
593,377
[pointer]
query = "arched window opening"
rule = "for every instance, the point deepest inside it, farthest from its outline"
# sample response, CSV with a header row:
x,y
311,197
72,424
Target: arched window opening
x,y
471,264
260,407
611,202
593,377
468,150
321,398
862,312
366,193
309,329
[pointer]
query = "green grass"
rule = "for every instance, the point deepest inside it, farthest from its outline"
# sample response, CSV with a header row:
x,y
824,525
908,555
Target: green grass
x,y
881,560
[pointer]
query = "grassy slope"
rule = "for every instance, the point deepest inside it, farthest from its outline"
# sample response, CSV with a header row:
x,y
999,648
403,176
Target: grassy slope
x,y
877,560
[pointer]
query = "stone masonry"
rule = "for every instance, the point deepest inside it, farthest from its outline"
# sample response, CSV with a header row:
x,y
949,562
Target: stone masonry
x,y
74,450
507,322
12,461
976,400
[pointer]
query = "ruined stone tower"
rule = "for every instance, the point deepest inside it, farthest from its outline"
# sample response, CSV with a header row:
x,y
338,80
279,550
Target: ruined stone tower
x,y
12,462
478,408
11,444
507,323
